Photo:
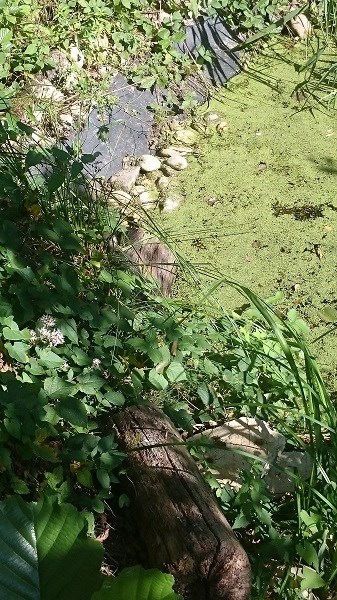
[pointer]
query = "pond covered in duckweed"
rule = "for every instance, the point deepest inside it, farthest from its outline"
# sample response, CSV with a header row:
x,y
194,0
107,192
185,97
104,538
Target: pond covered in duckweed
x,y
261,199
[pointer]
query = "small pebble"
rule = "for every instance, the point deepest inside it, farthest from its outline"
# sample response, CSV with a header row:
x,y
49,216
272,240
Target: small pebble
x,y
177,162
149,163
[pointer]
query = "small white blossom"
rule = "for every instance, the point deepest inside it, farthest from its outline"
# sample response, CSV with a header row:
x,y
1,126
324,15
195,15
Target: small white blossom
x,y
56,337
53,337
33,336
96,363
48,321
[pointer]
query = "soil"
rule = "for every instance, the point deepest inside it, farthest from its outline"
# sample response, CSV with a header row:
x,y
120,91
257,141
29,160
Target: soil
x,y
272,221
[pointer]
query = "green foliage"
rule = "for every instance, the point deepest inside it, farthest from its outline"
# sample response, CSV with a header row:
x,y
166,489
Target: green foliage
x,y
52,554
135,583
81,337
112,33
55,558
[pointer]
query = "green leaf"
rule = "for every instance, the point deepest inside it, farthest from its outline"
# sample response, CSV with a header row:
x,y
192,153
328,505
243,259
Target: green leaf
x,y
135,583
50,359
33,158
72,410
10,333
69,329
308,553
104,478
57,388
55,180
84,477
43,548
175,372
157,380
311,580
115,398
240,521
18,351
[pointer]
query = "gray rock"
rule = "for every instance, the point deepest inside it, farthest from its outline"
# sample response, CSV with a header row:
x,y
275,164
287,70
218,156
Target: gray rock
x,y
148,199
177,162
126,178
119,197
171,203
220,40
186,136
138,189
45,90
170,150
149,163
257,438
163,183
168,171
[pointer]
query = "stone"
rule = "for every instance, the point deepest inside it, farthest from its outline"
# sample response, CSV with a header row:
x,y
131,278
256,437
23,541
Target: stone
x,y
138,189
222,126
47,91
255,437
186,136
279,479
168,171
149,163
60,60
126,178
170,150
177,162
301,26
171,203
119,197
211,117
163,183
76,56
148,199
38,115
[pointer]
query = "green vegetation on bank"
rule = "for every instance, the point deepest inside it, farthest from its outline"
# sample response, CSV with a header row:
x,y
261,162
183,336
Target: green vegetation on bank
x,y
82,336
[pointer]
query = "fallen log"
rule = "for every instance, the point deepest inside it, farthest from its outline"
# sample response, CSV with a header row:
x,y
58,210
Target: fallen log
x,y
180,523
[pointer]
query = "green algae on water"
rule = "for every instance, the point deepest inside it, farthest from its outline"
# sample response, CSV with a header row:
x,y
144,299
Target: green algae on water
x,y
272,178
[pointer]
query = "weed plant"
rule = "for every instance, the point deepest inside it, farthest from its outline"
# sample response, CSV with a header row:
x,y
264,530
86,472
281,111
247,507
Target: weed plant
x,y
82,337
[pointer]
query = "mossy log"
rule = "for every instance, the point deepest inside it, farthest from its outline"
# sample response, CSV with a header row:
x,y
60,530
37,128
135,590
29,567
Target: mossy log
x,y
181,525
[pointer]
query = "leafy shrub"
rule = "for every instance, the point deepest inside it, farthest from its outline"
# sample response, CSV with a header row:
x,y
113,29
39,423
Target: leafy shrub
x,y
55,558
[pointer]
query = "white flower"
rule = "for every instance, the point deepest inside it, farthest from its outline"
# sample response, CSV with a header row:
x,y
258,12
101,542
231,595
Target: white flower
x,y
96,363
33,336
56,337
53,337
48,321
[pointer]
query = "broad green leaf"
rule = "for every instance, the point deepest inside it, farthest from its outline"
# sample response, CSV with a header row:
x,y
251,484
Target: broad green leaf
x,y
135,583
329,314
56,387
18,351
175,372
72,410
10,333
55,180
43,549
104,478
115,398
157,380
308,553
50,359
311,580
69,329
